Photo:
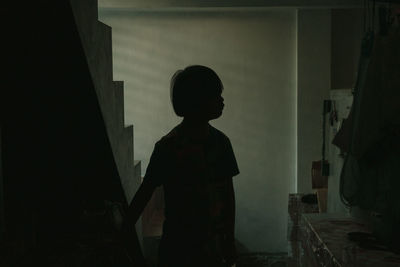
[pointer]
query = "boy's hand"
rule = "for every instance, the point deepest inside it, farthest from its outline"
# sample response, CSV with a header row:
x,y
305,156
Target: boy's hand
x,y
132,246
230,252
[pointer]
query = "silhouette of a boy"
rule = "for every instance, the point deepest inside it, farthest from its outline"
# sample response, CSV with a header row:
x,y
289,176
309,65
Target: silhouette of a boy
x,y
195,164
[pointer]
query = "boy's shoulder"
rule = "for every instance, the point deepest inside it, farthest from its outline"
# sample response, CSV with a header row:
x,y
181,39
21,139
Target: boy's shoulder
x,y
169,138
219,136
173,137
214,131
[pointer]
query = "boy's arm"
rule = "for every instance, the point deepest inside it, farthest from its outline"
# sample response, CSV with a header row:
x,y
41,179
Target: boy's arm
x,y
231,211
135,209
140,200
230,231
150,182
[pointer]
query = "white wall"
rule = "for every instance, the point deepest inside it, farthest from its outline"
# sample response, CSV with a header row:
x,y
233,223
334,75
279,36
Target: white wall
x,y
254,52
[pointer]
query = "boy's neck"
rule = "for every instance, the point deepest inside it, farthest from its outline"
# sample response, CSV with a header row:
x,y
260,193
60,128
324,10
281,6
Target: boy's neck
x,y
194,128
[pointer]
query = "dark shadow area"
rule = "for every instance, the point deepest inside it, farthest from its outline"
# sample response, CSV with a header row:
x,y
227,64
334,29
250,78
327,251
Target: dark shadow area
x,y
58,170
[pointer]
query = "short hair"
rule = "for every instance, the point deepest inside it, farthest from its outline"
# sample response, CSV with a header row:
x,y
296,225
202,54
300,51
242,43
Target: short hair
x,y
191,86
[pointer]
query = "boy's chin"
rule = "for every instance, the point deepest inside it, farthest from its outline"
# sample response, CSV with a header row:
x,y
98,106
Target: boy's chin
x,y
216,115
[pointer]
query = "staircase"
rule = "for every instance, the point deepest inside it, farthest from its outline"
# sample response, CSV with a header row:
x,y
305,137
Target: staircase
x,y
96,40
97,44
65,150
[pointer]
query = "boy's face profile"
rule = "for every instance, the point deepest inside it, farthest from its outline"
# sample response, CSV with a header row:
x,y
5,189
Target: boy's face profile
x,y
208,109
211,108
214,107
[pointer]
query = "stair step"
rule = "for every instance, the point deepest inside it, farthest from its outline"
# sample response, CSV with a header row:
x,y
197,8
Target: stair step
x,y
126,153
128,138
86,10
100,64
119,102
86,18
112,104
102,52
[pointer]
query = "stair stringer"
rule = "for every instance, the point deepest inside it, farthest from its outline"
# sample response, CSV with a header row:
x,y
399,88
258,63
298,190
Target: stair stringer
x,y
97,43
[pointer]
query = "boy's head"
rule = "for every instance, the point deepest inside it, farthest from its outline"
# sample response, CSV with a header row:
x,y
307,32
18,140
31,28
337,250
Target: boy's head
x,y
196,92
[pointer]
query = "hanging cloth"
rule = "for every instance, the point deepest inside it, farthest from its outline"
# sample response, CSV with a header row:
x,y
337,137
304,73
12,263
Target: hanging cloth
x,y
375,119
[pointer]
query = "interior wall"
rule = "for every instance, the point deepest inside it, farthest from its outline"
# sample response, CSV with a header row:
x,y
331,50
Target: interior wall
x,y
314,84
254,52
347,33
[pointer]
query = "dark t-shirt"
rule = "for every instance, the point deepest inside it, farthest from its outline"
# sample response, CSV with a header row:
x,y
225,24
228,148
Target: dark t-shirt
x,y
195,177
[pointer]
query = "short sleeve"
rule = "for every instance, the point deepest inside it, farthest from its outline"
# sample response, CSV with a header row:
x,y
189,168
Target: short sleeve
x,y
157,164
229,163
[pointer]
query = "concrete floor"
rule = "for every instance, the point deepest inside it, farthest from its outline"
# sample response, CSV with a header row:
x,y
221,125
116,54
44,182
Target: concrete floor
x,y
244,259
